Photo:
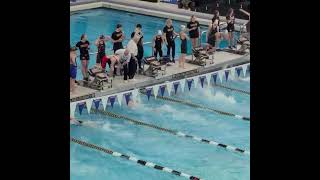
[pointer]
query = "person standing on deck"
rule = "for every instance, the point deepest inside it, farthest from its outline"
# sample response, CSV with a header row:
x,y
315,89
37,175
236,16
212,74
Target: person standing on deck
x,y
117,38
230,27
73,68
133,49
183,38
169,36
139,37
215,23
193,28
157,44
101,55
83,46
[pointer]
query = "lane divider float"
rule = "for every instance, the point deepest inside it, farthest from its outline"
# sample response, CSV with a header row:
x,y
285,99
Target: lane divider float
x,y
200,106
232,89
174,132
138,161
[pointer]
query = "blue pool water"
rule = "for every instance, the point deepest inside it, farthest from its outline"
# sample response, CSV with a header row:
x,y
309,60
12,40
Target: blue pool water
x,y
103,21
192,157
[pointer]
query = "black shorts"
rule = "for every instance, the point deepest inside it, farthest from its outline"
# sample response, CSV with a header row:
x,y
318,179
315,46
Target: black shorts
x,y
183,49
99,57
84,57
212,40
230,27
117,46
194,35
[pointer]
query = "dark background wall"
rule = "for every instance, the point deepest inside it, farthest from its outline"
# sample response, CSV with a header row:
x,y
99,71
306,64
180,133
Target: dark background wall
x,y
208,6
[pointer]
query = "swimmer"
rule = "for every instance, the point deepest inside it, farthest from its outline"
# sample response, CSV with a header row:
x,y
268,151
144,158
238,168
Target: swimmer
x,y
183,38
75,122
193,28
83,46
230,28
83,123
133,104
117,38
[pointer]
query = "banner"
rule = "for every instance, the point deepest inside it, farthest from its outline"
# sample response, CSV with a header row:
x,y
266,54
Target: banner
x,y
232,72
238,69
202,80
226,72
112,100
104,101
119,97
96,103
214,76
195,81
149,92
244,69
89,105
132,94
175,85
169,87
189,81
162,89
73,106
155,89
221,73
127,97
182,83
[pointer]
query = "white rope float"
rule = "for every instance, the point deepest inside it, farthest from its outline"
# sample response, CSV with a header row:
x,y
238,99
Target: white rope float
x,y
138,161
174,132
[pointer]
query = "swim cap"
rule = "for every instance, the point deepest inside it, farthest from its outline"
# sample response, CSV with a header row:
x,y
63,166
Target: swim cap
x,y
159,33
182,27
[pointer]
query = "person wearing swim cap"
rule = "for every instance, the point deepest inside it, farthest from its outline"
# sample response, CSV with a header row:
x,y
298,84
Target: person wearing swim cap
x,y
73,68
183,38
101,55
117,38
75,122
157,44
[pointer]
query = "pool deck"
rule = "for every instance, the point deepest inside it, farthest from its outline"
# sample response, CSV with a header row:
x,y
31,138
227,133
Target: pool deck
x,y
173,72
222,59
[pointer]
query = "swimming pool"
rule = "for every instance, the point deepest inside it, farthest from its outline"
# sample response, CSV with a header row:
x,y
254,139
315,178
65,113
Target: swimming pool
x,y
186,155
103,21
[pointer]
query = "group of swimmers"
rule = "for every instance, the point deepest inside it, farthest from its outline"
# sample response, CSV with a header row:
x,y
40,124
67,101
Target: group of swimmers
x,y
130,58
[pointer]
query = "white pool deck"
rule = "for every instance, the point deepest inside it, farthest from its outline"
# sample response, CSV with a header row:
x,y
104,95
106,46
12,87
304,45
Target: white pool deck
x,y
222,59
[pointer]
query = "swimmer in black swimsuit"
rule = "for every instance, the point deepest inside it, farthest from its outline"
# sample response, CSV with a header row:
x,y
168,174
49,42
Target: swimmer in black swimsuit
x,y
117,38
73,68
83,46
183,38
139,36
101,55
215,24
169,36
157,44
230,27
193,28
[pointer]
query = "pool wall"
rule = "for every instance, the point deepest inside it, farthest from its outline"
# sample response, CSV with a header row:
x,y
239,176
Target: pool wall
x,y
151,9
